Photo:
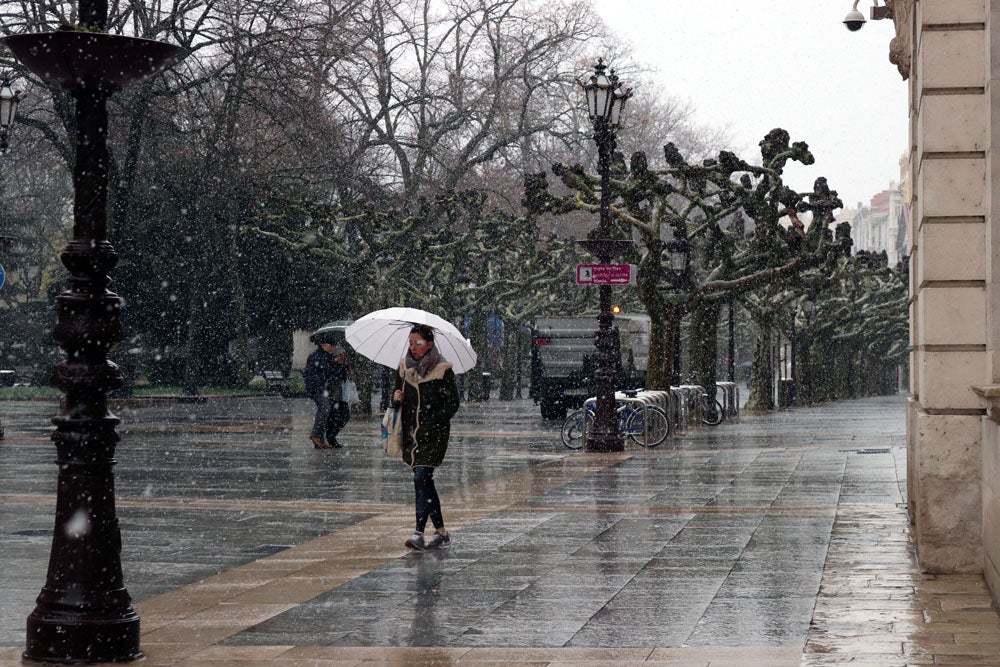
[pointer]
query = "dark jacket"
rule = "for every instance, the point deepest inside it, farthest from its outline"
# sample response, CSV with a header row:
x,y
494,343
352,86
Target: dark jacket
x,y
322,371
429,403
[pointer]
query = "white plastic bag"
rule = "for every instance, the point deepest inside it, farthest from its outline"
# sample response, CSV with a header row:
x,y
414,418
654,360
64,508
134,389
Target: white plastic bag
x,y
350,393
392,433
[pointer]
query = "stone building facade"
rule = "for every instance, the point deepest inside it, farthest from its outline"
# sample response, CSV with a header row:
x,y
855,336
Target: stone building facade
x,y
950,52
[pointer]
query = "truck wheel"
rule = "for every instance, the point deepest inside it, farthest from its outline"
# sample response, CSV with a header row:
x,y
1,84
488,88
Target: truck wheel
x,y
553,410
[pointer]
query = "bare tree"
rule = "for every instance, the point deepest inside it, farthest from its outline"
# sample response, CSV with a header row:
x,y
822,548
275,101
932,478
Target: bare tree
x,y
707,209
438,91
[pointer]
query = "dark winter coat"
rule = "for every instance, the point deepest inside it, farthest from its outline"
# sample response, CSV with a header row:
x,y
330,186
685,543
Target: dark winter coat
x,y
428,405
322,372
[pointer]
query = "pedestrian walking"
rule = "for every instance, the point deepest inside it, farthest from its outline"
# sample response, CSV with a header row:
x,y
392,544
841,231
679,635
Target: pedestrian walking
x,y
428,394
324,375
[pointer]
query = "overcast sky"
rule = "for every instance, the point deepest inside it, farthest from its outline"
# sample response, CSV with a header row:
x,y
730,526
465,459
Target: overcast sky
x,y
754,65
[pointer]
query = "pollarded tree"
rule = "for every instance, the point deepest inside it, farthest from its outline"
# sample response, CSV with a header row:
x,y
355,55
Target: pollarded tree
x,y
856,336
739,224
847,324
451,254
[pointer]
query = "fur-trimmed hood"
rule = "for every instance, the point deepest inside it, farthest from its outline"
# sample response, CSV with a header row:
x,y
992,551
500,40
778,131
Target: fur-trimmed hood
x,y
436,373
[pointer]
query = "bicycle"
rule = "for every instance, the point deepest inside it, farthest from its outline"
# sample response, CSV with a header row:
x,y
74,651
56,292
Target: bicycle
x,y
646,426
712,411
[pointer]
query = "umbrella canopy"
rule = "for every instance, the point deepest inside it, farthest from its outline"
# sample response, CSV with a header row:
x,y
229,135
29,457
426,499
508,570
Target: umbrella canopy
x,y
383,336
331,332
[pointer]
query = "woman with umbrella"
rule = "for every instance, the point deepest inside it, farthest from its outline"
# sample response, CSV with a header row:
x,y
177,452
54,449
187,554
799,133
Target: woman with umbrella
x,y
324,375
433,350
428,393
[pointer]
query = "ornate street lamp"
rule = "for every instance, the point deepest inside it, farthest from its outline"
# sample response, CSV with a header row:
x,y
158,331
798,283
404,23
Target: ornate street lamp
x,y
806,305
8,110
9,99
731,348
6,242
606,105
84,613
679,254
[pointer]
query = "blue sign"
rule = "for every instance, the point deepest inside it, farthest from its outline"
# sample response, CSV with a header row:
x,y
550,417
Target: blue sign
x,y
3,276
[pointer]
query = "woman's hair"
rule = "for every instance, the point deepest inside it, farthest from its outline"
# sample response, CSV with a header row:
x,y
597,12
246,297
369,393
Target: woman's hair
x,y
424,332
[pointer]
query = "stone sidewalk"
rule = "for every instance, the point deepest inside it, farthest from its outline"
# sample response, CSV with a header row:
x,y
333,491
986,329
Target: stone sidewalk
x,y
778,539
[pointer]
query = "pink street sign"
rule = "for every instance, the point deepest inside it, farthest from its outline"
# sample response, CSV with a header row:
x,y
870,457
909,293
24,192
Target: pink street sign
x,y
605,274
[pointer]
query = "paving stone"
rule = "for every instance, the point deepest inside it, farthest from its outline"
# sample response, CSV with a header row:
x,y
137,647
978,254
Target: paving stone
x,y
761,541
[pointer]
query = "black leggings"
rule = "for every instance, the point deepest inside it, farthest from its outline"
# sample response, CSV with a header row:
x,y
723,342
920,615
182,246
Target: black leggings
x,y
428,504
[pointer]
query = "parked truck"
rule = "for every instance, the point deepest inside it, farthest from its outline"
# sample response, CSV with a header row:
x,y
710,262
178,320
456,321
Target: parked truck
x,y
564,360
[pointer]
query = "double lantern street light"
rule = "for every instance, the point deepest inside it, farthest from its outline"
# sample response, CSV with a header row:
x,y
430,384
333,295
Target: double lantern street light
x,y
606,105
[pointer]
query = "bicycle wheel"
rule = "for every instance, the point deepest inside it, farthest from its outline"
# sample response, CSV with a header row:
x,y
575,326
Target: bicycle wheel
x,y
711,412
574,427
648,427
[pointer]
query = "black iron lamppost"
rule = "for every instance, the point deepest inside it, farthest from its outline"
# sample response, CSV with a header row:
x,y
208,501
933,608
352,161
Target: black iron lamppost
x,y
6,242
679,254
731,349
605,105
9,99
807,308
84,613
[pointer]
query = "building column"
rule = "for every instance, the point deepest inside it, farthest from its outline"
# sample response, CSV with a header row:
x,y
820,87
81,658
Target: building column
x,y
950,284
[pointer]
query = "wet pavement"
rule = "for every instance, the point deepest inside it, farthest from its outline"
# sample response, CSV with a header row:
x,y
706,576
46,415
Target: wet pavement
x,y
777,539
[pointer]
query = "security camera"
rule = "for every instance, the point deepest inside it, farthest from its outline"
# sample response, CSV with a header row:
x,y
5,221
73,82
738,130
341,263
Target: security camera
x,y
854,19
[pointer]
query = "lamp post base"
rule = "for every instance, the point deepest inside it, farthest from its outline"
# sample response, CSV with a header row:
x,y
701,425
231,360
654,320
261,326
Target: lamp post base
x,y
74,639
604,442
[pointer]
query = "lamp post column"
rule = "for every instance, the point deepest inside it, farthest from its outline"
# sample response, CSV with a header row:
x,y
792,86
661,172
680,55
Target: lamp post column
x,y
84,613
604,437
84,610
605,105
5,243
8,109
804,362
731,363
679,251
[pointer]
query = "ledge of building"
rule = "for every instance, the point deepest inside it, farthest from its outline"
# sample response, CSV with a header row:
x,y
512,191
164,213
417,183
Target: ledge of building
x,y
991,394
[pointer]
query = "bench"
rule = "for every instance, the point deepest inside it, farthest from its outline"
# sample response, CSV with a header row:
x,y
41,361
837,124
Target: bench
x,y
276,381
24,375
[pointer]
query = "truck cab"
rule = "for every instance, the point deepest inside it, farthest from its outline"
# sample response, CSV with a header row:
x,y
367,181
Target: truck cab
x,y
564,359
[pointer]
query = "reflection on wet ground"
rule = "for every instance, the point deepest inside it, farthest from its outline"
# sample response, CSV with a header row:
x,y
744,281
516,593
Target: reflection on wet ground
x,y
772,540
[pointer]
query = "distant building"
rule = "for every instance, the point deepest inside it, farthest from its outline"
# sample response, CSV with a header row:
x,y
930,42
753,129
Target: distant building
x,y
882,225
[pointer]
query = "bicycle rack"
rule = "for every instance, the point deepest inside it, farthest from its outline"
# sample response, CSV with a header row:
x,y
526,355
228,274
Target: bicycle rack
x,y
730,398
691,397
640,398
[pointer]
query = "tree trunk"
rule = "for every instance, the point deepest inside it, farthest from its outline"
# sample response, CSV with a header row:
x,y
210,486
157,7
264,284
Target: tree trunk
x,y
475,381
704,345
192,367
761,396
241,335
364,378
509,370
662,323
657,368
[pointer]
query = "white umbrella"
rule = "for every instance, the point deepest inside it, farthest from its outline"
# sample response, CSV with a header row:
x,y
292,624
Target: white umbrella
x,y
383,336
